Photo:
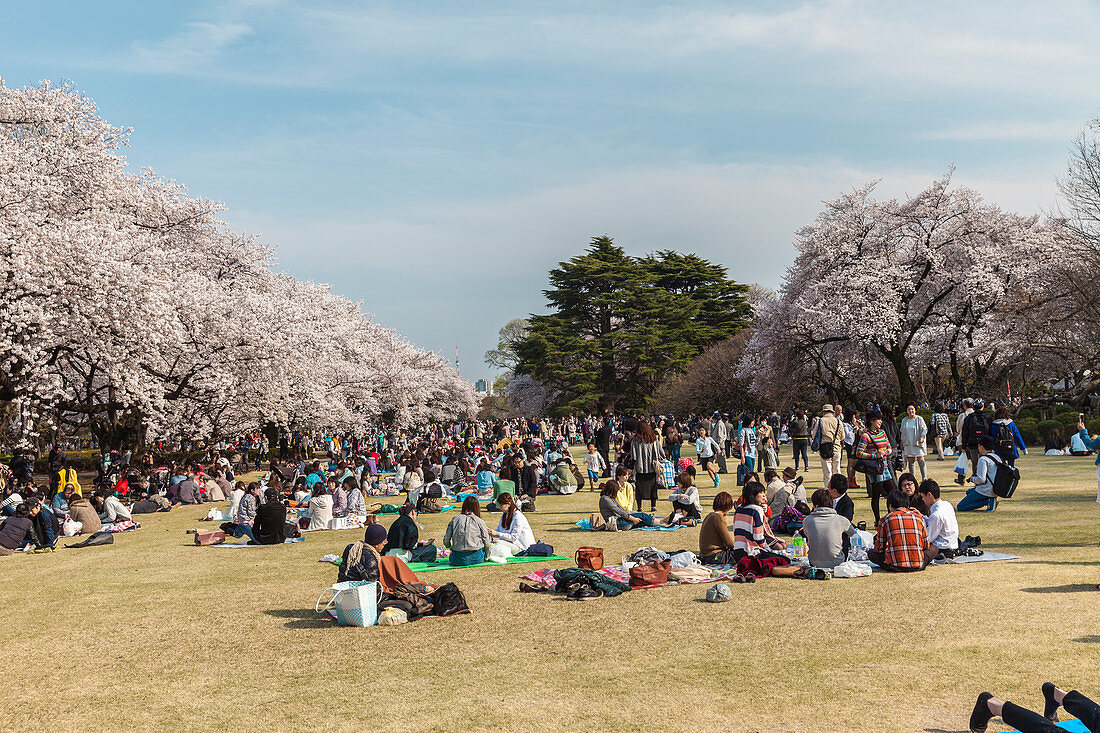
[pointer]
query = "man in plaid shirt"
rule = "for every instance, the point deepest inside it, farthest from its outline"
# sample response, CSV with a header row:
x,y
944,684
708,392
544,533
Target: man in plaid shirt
x,y
902,539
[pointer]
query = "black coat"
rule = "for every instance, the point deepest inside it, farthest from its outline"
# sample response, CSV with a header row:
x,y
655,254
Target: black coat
x,y
270,525
845,507
403,535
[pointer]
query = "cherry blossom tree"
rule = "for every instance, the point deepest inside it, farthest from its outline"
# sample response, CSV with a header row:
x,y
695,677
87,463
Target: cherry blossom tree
x,y
881,290
129,308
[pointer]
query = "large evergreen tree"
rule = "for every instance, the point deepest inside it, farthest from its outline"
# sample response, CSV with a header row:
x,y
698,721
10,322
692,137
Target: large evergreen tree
x,y
620,325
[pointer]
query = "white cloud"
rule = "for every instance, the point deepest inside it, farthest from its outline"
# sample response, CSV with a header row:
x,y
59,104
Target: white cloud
x,y
194,47
1009,130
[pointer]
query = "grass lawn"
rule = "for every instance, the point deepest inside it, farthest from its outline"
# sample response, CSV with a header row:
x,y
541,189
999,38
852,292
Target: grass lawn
x,y
153,633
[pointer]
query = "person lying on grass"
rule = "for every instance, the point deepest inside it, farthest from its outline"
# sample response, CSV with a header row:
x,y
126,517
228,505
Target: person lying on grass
x,y
1022,719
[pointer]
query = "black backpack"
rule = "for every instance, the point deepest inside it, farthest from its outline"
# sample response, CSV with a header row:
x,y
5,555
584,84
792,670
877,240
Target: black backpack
x,y
1006,442
1006,479
981,424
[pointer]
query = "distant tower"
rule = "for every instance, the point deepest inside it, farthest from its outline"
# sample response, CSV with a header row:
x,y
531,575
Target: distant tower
x,y
457,370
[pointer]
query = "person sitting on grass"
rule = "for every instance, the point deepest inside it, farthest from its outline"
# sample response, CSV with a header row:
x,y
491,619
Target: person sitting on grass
x,y
270,525
320,507
751,533
364,561
61,499
361,559
1022,719
981,495
943,527
827,533
484,476
356,502
17,531
514,529
467,536
901,541
790,493
247,509
716,544
81,510
111,510
625,497
843,503
403,533
686,508
907,484
339,497
46,526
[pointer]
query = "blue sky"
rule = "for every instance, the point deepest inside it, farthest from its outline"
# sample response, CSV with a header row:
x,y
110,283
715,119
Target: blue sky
x,y
434,160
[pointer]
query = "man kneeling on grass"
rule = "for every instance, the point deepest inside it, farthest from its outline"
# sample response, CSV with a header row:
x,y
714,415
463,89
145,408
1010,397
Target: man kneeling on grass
x,y
902,540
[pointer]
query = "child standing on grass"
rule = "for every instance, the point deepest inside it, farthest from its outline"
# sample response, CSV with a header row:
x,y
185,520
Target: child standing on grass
x,y
595,463
767,451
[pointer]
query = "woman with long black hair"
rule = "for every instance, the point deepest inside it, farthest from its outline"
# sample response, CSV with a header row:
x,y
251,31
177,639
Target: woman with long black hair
x,y
648,456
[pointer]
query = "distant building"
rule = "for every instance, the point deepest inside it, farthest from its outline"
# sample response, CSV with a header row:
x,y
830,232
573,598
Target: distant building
x,y
483,387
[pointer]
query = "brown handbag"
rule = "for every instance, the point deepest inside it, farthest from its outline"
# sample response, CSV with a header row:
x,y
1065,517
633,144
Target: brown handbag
x,y
650,574
589,558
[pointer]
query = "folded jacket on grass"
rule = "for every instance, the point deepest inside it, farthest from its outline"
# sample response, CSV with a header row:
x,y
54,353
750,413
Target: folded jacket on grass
x,y
426,567
239,545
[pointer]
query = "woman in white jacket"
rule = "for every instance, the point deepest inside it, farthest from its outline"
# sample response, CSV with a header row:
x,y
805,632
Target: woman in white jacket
x,y
514,529
320,508
914,439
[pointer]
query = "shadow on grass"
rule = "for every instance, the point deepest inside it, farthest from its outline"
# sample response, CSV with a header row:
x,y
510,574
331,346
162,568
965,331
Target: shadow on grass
x,y
1069,588
942,730
305,618
1093,639
1056,562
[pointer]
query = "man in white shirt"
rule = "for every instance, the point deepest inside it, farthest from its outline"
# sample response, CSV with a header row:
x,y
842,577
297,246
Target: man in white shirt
x,y
943,527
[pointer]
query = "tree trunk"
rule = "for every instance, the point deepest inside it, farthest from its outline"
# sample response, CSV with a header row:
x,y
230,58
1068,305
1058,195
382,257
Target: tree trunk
x,y
906,388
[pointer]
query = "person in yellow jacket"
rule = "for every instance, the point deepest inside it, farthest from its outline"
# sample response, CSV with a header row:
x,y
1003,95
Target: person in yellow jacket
x,y
625,496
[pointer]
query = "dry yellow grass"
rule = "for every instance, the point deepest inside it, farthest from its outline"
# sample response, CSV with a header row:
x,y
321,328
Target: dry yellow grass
x,y
152,633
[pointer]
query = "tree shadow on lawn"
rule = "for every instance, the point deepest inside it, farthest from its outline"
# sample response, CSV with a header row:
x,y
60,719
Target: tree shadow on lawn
x,y
305,618
1069,588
